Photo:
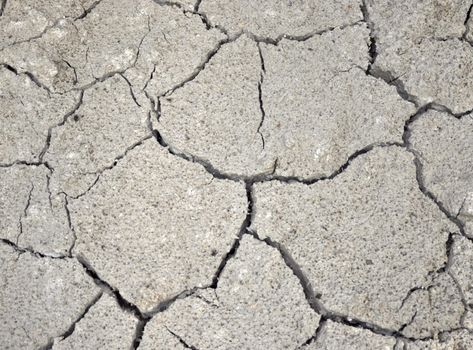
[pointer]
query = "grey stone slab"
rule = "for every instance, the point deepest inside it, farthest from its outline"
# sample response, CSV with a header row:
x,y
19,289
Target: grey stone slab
x,y
22,20
114,37
104,326
106,124
172,51
26,113
156,225
274,19
40,298
320,105
445,147
335,336
309,127
462,266
437,308
458,340
216,115
257,304
469,29
33,217
419,44
363,239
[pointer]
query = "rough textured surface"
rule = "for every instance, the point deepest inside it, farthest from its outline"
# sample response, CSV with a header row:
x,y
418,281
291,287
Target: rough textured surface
x,y
309,131
105,326
22,20
462,267
115,37
105,125
459,340
57,290
437,308
419,44
257,304
392,234
26,114
172,51
334,336
445,145
216,174
216,116
163,217
274,19
31,216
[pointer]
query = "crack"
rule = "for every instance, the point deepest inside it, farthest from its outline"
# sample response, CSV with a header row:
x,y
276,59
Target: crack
x,y
419,172
76,79
71,227
462,298
26,163
465,23
159,308
410,292
22,250
318,331
194,11
139,331
408,323
183,343
303,37
260,95
313,298
30,75
72,327
244,226
100,172
88,10
392,80
124,304
51,26
133,96
3,4
201,67
194,159
372,39
341,169
24,214
196,6
74,109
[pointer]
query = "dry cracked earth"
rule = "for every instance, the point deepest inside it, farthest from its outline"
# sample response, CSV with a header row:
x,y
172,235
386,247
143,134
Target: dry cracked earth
x,y
291,174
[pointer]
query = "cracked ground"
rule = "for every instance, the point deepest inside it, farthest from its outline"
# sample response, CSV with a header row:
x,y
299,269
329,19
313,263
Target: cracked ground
x,y
217,174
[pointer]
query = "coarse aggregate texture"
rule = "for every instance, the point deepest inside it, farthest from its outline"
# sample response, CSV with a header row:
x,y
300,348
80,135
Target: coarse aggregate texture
x,y
104,326
421,45
163,218
32,216
334,336
299,129
257,300
274,19
104,126
435,136
57,290
380,261
203,174
27,114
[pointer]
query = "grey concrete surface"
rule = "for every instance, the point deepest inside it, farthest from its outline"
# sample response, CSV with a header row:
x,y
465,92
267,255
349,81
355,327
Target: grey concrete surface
x,y
104,326
257,300
203,174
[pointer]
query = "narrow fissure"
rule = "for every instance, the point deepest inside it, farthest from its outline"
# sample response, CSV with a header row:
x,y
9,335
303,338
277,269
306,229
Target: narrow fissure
x,y
181,341
122,302
244,226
